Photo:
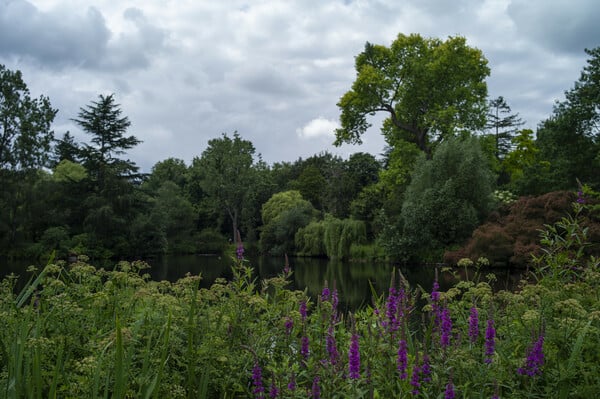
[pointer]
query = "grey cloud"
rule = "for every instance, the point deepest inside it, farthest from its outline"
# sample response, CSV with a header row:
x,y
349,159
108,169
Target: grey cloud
x,y
561,25
51,38
59,39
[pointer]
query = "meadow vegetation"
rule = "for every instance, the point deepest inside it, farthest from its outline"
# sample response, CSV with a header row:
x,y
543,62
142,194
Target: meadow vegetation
x,y
79,331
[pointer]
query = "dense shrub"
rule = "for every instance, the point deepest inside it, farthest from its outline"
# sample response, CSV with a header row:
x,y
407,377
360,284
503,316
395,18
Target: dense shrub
x,y
512,233
331,237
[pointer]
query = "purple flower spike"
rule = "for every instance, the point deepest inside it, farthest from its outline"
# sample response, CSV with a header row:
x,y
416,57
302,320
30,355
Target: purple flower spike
x,y
473,325
449,393
259,389
292,383
446,328
273,391
303,310
304,351
535,359
414,380
332,347
426,369
325,294
316,390
402,360
490,341
289,324
354,358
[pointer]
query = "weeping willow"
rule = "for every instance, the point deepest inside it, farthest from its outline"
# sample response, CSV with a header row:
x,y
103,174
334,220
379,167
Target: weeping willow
x,y
331,237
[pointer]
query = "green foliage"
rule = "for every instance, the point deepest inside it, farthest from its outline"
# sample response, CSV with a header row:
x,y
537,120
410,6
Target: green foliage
x,y
25,135
309,239
404,82
68,171
446,199
502,125
281,202
227,173
78,331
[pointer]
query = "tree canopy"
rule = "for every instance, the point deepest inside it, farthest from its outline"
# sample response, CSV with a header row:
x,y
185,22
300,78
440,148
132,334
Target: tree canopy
x,y
429,88
25,134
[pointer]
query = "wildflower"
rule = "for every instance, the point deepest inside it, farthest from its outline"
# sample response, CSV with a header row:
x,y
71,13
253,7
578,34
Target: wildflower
x,y
286,268
332,347
334,299
490,341
316,390
473,324
535,359
304,351
354,358
446,328
391,309
240,247
435,304
273,391
325,293
289,324
580,198
426,369
292,383
414,380
259,389
449,393
402,360
303,310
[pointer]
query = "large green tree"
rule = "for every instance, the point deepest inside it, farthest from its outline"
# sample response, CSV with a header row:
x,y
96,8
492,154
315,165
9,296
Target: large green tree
x,y
103,120
429,88
25,141
228,175
570,138
25,134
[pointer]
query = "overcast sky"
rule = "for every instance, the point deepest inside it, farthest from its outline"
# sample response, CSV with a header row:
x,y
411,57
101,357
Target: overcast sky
x,y
185,71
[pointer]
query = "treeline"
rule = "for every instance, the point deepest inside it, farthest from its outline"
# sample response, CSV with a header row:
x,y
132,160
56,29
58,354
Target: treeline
x,y
453,157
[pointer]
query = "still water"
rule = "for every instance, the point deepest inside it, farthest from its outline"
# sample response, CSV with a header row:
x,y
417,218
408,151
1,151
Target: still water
x,y
355,282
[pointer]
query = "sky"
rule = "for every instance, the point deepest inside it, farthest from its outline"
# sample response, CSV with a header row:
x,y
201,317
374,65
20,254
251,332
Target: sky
x,y
186,71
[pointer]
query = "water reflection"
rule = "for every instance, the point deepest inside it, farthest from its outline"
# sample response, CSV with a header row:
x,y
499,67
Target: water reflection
x,y
354,281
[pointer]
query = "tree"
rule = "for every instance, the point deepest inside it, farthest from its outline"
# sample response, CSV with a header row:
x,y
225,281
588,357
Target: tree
x,y
103,121
282,215
503,125
570,138
25,135
67,149
447,197
228,175
429,88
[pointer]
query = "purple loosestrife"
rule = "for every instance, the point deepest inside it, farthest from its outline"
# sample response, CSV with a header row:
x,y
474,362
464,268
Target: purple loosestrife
x,y
303,310
354,358
449,392
580,198
240,247
259,389
391,310
473,324
292,383
435,305
304,351
289,324
414,380
446,328
535,359
273,391
490,341
426,369
316,390
402,360
331,344
325,293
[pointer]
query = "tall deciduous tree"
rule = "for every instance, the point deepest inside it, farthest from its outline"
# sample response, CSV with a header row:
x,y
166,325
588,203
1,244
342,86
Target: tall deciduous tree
x,y
570,139
429,88
25,134
228,174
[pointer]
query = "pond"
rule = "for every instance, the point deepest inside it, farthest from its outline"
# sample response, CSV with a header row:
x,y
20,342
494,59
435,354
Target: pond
x,y
354,281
